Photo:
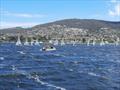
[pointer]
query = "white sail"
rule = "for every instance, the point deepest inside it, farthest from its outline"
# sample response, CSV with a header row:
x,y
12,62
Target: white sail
x,y
62,42
73,43
88,42
117,41
106,42
36,42
18,43
32,42
40,42
51,41
93,43
56,42
102,43
26,42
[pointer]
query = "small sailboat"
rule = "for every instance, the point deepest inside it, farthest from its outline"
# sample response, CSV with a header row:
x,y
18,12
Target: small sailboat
x,y
26,42
102,43
73,42
18,43
88,42
51,41
106,42
93,43
56,42
32,42
117,41
62,42
36,42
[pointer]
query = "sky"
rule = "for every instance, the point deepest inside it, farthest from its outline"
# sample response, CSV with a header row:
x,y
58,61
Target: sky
x,y
27,13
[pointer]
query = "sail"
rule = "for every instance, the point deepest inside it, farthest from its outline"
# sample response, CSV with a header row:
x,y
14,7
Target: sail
x,y
93,43
18,43
26,42
36,42
88,42
117,41
32,42
102,43
62,42
56,42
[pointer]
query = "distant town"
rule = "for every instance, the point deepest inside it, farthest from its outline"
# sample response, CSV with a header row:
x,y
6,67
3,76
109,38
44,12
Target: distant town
x,y
69,31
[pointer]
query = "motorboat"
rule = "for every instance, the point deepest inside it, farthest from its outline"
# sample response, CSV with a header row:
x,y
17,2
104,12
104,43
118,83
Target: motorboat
x,y
48,48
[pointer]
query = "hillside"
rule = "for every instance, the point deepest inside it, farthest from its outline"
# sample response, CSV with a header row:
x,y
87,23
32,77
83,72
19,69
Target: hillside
x,y
70,29
90,24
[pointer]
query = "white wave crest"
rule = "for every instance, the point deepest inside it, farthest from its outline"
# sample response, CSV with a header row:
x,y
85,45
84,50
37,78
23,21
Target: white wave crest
x,y
21,52
2,58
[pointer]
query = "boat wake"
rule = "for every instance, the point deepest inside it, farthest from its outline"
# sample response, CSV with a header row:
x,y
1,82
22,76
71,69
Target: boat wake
x,y
37,79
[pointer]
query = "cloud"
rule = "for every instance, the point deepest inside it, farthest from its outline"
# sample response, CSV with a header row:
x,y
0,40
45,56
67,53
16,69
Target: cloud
x,y
115,10
9,24
17,24
113,1
23,15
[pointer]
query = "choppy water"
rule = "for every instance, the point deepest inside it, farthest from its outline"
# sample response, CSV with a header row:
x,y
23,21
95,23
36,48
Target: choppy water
x,y
68,68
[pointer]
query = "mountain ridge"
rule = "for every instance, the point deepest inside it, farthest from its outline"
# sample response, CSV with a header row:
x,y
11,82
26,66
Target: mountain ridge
x,y
78,27
75,19
64,21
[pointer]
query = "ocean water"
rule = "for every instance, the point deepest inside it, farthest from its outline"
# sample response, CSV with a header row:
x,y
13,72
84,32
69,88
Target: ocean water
x,y
70,67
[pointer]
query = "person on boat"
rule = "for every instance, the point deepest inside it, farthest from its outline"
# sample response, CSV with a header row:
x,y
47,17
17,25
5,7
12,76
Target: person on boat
x,y
48,48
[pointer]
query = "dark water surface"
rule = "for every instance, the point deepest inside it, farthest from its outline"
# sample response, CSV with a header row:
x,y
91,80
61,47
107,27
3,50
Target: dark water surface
x,y
70,67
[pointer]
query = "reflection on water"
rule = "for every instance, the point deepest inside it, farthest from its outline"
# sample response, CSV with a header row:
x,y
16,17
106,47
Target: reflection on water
x,y
70,67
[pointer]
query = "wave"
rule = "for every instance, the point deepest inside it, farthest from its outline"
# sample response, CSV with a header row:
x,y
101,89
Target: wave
x,y
21,52
2,58
115,61
59,55
96,75
71,70
93,74
36,78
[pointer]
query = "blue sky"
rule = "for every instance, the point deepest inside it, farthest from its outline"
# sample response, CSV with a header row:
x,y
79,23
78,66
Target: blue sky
x,y
32,12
